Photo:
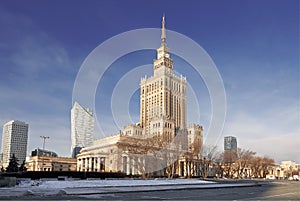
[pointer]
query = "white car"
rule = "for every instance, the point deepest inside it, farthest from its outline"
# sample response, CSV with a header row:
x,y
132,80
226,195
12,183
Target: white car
x,y
270,176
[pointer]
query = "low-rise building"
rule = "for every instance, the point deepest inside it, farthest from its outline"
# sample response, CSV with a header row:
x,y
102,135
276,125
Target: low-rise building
x,y
286,170
44,160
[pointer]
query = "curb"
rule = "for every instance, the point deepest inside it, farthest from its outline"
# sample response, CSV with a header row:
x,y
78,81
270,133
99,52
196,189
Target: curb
x,y
134,189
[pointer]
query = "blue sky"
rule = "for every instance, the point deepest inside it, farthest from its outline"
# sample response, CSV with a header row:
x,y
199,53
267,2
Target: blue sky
x,y
254,44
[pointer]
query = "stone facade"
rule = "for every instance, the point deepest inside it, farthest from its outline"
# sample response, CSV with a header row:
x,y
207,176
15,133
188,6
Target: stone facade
x,y
45,163
160,144
134,155
163,96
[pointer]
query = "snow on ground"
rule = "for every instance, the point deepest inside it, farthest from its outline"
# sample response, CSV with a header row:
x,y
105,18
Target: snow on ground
x,y
91,187
50,187
55,184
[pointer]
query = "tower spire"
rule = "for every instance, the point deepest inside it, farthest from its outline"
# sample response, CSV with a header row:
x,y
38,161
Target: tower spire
x,y
163,32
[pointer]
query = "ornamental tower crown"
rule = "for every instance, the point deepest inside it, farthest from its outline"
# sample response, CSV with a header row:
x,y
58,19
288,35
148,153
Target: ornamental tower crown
x,y
163,52
163,96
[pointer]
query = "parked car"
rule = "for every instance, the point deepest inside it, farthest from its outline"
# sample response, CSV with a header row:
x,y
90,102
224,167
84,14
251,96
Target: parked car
x,y
270,176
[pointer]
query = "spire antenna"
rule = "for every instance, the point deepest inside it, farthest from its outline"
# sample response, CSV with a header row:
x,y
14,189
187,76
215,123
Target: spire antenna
x,y
163,32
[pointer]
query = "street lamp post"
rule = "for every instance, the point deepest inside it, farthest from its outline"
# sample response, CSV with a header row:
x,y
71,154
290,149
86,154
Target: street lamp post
x,y
44,139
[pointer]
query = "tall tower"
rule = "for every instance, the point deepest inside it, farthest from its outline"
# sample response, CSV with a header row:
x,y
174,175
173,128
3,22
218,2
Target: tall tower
x,y
82,128
14,141
163,96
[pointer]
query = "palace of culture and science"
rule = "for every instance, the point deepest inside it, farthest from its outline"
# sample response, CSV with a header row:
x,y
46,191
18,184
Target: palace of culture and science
x,y
160,143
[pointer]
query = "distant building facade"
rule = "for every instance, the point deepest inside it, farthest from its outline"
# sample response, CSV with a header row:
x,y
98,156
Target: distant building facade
x,y
82,128
286,170
230,143
41,152
45,163
290,169
45,160
195,138
14,141
160,143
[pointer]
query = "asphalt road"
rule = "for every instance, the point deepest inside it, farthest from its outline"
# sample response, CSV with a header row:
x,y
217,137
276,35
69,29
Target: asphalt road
x,y
278,190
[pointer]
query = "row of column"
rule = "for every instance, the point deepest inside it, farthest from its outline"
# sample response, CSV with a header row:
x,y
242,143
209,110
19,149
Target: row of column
x,y
91,164
188,168
132,165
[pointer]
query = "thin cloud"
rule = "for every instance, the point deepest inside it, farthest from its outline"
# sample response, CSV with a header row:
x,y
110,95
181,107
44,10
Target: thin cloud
x,y
37,84
276,129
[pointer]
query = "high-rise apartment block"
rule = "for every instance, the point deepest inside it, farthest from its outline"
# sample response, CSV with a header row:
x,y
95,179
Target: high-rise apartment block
x,y
14,141
82,128
230,143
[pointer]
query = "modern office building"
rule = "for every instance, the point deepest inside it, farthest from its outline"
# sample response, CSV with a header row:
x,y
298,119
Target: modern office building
x,y
14,141
82,128
230,143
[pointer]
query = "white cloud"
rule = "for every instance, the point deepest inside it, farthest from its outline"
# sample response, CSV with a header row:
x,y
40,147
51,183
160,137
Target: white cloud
x,y
274,132
37,84
57,128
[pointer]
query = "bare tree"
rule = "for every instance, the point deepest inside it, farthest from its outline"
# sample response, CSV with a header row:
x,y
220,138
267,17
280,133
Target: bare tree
x,y
210,157
255,164
229,159
260,166
243,160
138,153
173,151
154,155
266,162
193,157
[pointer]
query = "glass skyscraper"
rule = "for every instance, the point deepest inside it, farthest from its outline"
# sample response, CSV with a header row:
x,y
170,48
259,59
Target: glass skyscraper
x,y
230,143
82,128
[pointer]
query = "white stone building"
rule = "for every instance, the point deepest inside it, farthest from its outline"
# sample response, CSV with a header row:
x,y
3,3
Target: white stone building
x,y
160,144
195,138
163,96
49,163
14,141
